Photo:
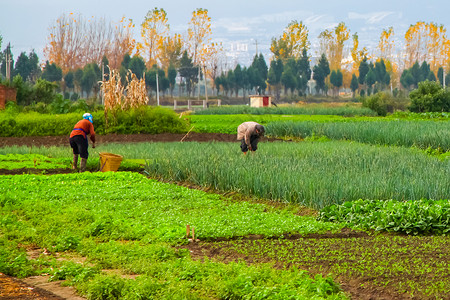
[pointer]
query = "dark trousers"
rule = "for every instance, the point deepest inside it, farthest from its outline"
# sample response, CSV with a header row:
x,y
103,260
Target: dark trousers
x,y
79,145
254,139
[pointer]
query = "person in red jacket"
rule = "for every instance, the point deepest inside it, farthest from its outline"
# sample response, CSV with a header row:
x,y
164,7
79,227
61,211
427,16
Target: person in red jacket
x,y
79,141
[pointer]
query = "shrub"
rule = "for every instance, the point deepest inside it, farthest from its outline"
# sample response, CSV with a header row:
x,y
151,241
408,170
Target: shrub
x,y
430,97
381,103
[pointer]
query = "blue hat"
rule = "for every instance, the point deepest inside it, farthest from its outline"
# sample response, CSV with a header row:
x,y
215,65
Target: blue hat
x,y
88,117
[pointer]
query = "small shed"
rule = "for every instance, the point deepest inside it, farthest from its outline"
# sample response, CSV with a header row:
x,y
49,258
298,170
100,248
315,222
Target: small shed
x,y
6,94
260,101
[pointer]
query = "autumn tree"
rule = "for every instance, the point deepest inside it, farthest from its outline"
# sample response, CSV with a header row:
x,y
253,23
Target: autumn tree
x,y
75,41
122,43
154,29
199,33
332,44
213,57
292,42
357,54
386,44
426,42
171,50
66,43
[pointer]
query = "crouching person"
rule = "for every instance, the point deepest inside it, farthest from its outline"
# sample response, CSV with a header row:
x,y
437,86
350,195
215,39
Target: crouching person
x,y
249,133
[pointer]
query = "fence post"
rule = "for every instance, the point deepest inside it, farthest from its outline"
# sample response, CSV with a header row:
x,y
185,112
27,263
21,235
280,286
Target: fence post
x,y
174,104
189,105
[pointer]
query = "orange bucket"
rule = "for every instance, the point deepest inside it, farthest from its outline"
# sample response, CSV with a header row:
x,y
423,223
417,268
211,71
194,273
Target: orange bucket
x,y
109,162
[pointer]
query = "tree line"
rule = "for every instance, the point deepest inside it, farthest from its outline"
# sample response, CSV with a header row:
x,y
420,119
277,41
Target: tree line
x,y
80,52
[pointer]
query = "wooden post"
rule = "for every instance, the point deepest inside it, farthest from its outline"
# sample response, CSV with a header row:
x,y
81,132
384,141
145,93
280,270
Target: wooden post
x,y
189,105
193,234
174,104
188,230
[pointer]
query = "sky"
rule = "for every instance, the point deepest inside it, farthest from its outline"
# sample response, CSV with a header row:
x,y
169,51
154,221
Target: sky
x,y
243,26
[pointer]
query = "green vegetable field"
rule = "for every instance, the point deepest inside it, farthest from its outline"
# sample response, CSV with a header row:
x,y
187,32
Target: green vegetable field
x,y
342,206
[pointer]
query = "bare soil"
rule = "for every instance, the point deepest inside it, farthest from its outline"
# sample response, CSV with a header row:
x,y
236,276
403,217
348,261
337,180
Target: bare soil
x,y
44,141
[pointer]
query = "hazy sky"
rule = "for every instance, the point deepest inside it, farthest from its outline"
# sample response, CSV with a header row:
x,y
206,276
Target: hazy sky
x,y
25,23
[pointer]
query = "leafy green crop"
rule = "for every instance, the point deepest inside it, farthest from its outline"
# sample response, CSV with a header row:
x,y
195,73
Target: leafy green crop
x,y
126,222
35,161
411,217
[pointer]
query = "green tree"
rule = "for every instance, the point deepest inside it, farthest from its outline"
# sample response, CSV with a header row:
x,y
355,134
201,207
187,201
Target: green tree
x,y
137,66
171,76
371,78
416,74
440,75
303,72
23,89
363,70
321,71
189,72
78,78
288,79
261,71
238,77
52,72
274,75
406,79
91,76
354,84
69,80
28,66
44,91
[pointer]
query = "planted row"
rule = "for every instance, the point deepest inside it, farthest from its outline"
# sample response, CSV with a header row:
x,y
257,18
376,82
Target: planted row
x,y
348,110
423,134
313,174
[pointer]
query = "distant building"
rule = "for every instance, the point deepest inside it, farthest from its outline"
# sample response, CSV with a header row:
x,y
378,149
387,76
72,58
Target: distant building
x,y
260,101
6,94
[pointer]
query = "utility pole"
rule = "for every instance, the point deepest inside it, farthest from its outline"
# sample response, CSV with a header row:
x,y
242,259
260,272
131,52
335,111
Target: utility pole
x,y
256,43
8,62
198,84
205,105
157,89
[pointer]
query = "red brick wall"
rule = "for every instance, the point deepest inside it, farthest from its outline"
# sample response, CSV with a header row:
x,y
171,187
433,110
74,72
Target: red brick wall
x,y
6,94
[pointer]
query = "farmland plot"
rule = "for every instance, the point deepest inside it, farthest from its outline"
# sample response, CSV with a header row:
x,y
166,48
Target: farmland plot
x,y
124,221
112,232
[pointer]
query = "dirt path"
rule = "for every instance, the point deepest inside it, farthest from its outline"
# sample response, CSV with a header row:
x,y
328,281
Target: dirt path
x,y
40,141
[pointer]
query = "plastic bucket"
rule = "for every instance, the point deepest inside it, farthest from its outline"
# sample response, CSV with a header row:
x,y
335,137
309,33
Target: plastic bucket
x,y
109,161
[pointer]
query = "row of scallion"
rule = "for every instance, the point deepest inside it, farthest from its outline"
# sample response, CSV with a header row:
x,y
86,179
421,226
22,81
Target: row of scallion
x,y
347,110
314,174
422,134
